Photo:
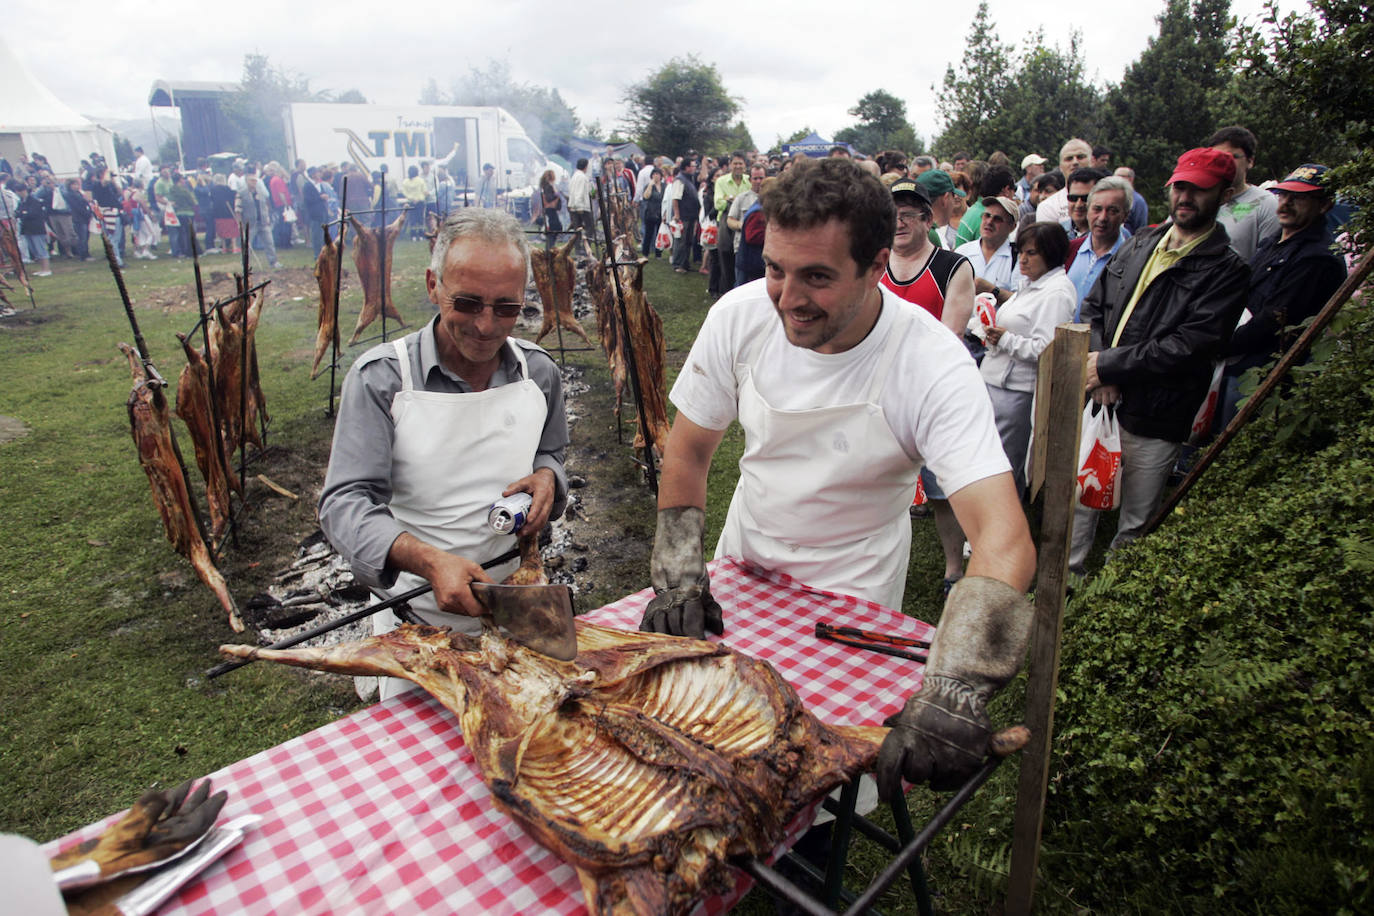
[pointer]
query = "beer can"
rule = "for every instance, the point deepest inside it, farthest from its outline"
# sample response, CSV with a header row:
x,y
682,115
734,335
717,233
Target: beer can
x,y
508,513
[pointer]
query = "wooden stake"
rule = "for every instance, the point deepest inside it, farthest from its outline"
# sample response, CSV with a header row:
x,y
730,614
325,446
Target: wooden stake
x,y
1068,375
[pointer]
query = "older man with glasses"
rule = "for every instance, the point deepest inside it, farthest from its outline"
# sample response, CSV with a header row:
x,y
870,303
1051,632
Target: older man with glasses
x,y
436,426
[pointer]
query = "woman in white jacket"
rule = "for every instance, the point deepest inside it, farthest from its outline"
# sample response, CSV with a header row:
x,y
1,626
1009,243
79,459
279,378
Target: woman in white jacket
x,y
1025,326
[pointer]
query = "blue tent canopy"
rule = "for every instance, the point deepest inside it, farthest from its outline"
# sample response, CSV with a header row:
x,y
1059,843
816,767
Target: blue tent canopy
x,y
814,145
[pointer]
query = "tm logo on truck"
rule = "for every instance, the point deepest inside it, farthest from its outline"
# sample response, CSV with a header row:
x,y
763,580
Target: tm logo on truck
x,y
405,143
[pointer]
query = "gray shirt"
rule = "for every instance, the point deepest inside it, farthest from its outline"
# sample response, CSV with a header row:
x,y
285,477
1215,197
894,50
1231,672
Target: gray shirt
x,y
1250,217
738,207
354,512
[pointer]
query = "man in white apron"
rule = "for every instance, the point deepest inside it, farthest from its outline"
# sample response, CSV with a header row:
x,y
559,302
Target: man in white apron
x,y
435,427
844,391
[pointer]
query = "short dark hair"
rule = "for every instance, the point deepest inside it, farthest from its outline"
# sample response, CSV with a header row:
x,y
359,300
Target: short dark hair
x,y
1100,151
1091,176
1049,239
962,154
834,188
582,163
997,179
1049,181
1236,136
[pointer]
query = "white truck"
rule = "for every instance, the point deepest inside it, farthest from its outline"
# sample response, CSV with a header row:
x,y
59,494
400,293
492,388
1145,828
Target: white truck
x,y
461,138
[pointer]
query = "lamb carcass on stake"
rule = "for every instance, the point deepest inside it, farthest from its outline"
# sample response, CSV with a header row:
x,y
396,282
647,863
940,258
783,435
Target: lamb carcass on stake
x,y
647,763
193,406
646,339
555,278
326,275
367,257
151,427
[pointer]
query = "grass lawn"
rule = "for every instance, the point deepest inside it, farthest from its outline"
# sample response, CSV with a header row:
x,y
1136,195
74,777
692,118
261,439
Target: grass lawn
x,y
105,633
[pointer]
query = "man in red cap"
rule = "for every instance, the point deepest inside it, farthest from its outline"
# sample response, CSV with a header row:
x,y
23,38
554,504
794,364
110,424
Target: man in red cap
x,y
1161,313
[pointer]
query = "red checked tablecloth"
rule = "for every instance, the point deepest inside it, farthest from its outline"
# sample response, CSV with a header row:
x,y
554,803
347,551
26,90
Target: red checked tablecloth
x,y
384,811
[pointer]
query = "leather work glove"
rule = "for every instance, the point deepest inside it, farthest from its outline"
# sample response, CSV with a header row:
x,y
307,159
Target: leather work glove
x,y
942,732
157,826
682,604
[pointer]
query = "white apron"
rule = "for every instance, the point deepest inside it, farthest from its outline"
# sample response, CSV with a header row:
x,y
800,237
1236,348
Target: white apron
x,y
823,493
452,455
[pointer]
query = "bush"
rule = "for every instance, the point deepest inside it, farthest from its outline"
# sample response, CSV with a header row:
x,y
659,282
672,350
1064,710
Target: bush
x,y
1214,748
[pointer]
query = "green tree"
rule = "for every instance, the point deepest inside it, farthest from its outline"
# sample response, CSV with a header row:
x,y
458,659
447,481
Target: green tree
x,y
124,151
973,95
548,119
882,125
738,138
1160,109
1046,102
683,105
1302,85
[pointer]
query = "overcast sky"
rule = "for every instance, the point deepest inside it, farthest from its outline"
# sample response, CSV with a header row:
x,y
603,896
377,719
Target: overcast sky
x,y
792,64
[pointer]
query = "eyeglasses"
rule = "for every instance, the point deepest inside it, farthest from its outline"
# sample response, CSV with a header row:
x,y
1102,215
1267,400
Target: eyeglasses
x,y
909,216
1077,198
470,306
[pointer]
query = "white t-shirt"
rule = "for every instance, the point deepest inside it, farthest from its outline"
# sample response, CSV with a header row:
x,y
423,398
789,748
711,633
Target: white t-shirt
x,y
934,400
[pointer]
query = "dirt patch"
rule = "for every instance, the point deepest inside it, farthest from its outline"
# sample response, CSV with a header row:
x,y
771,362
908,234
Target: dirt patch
x,y
12,428
287,283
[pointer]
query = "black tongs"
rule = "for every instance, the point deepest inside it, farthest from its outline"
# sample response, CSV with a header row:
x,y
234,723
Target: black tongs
x,y
885,643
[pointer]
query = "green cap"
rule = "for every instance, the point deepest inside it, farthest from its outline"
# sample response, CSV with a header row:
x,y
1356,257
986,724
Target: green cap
x,y
937,182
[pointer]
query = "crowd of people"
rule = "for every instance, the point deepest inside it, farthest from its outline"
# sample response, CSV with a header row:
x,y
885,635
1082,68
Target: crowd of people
x,y
1047,243
143,205
1179,310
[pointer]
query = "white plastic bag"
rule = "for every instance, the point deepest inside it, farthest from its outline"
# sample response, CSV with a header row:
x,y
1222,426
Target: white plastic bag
x,y
1099,458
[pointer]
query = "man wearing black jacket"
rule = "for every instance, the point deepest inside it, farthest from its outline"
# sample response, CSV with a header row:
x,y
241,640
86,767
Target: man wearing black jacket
x,y
1161,312
1292,275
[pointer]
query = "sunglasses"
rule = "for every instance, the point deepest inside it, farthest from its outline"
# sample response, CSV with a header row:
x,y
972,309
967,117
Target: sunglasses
x,y
470,306
1075,198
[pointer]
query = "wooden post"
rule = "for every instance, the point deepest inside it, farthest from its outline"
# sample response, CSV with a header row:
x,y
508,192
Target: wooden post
x,y
1067,375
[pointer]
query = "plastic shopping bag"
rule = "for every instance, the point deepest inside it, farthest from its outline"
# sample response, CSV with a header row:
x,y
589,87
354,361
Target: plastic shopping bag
x,y
709,232
664,239
984,315
1207,411
1099,458
920,497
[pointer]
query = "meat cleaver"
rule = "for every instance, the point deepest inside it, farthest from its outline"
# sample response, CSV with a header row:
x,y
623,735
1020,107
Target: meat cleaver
x,y
537,616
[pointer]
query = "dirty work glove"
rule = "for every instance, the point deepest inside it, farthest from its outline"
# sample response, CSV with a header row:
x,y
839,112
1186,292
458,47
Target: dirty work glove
x,y
682,604
942,732
158,825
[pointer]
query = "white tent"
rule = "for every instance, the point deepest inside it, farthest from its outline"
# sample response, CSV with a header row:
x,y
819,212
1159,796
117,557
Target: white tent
x,y
33,120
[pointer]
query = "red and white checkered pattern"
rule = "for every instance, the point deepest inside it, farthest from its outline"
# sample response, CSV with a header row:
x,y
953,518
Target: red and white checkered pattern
x,y
384,812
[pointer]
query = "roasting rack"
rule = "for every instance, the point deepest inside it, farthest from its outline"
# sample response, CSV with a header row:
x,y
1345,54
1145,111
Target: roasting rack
x,y
907,847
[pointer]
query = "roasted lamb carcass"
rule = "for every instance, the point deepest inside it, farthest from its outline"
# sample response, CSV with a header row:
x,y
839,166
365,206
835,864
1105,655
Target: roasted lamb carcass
x,y
555,278
367,257
647,762
327,276
150,424
193,406
646,339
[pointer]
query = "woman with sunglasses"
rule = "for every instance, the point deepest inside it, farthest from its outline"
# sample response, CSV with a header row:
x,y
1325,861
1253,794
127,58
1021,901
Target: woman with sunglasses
x,y
1025,326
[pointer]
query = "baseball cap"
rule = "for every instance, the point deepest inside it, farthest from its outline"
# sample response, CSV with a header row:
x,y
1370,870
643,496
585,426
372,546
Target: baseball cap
x,y
1304,179
909,186
1033,159
1008,205
1204,167
936,182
